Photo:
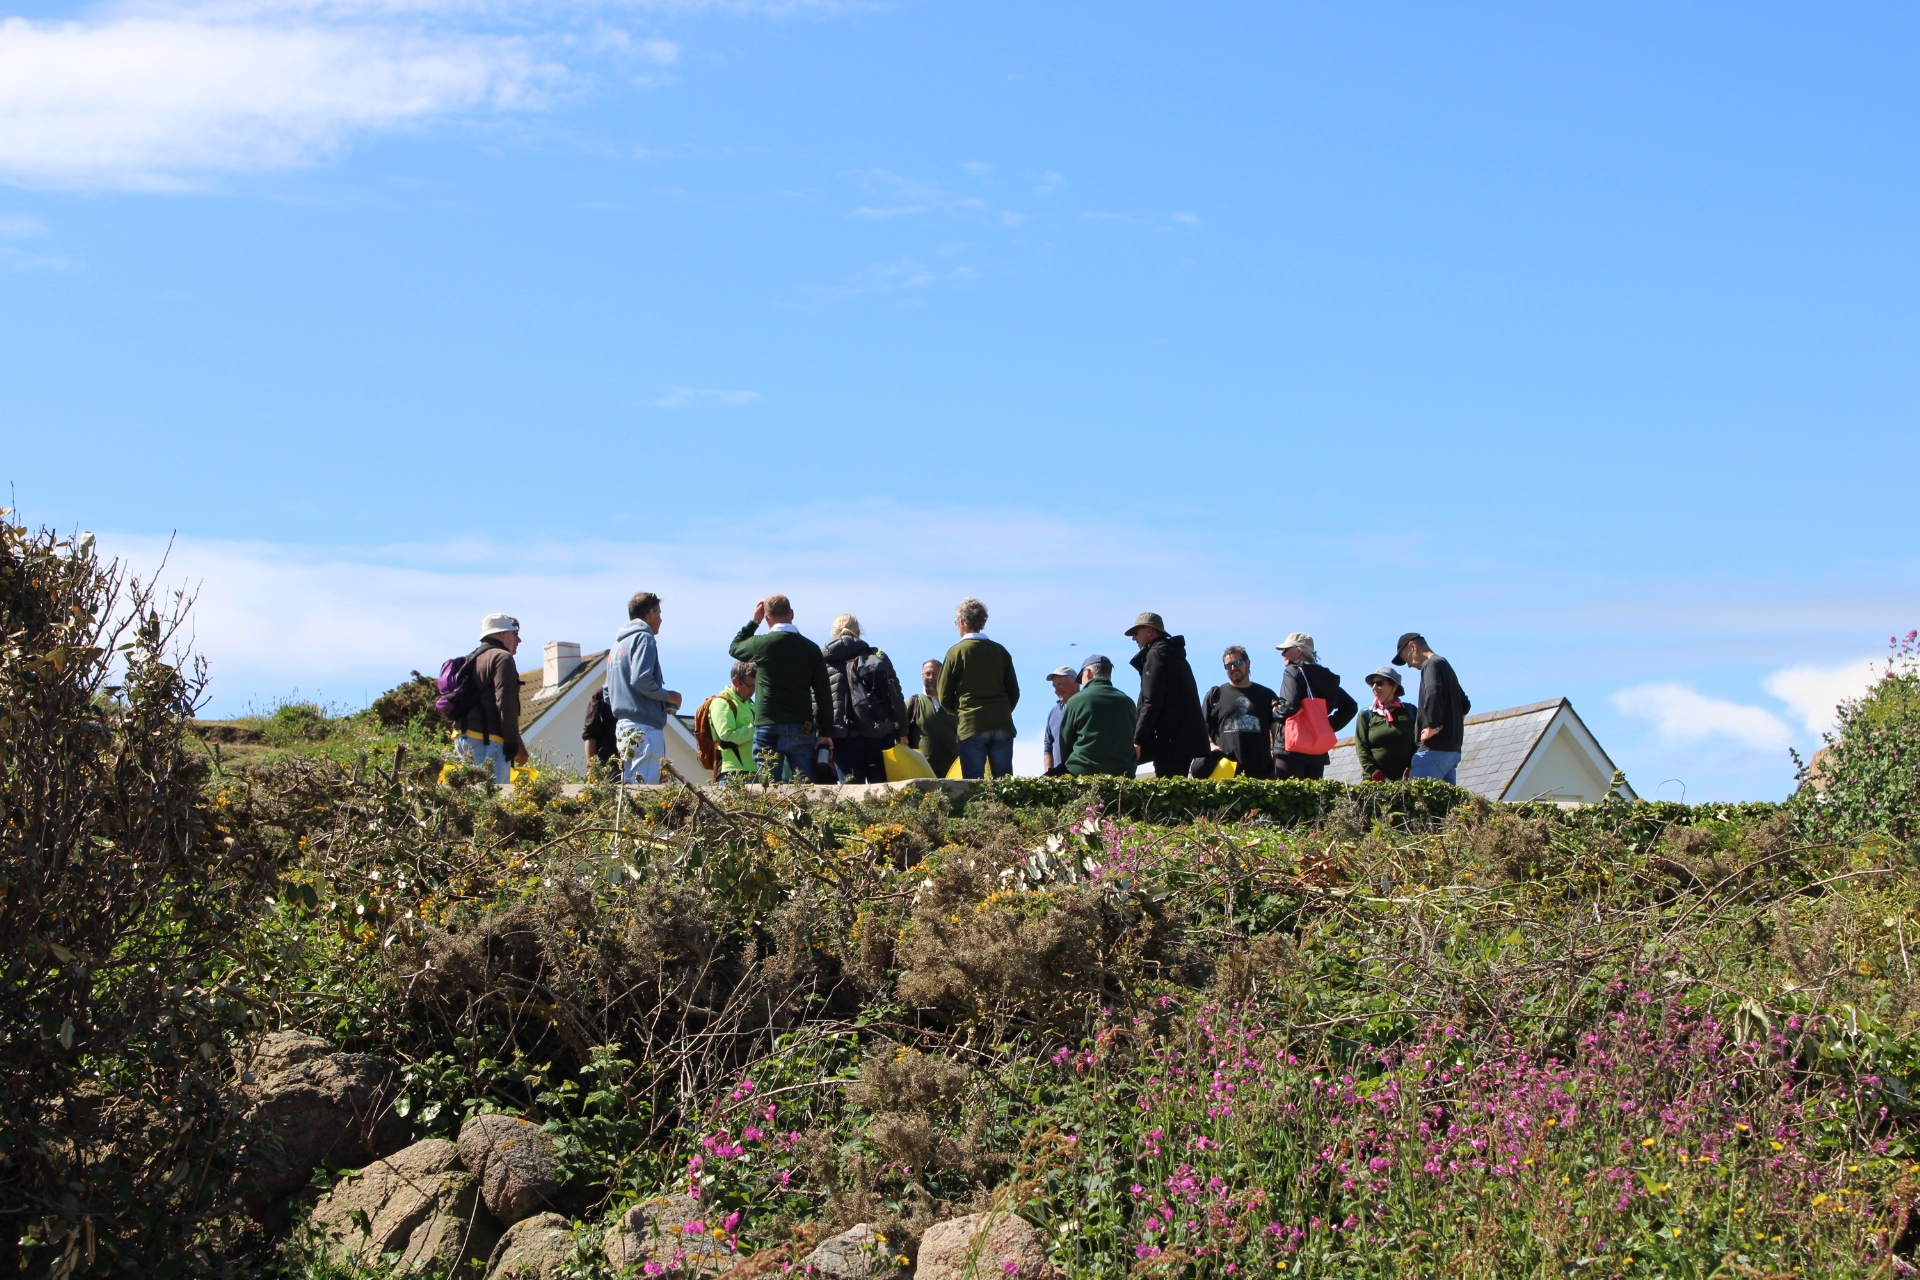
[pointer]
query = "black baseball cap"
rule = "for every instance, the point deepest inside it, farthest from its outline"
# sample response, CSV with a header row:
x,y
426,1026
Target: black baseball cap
x,y
1401,647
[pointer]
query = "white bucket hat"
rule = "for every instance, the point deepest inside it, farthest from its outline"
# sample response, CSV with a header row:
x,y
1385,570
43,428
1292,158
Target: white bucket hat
x,y
494,623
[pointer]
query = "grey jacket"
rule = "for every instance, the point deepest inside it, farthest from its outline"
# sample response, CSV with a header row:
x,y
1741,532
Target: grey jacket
x,y
634,685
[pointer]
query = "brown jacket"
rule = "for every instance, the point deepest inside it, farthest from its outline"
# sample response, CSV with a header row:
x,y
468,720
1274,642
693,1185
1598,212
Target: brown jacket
x,y
496,712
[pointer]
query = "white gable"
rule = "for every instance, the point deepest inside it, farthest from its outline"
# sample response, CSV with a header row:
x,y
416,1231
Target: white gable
x,y
1537,752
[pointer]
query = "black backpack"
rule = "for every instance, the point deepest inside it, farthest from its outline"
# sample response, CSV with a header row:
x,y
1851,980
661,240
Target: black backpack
x,y
869,697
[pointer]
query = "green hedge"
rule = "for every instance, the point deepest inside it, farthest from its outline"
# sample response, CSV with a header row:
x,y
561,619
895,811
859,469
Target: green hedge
x,y
1288,801
1293,801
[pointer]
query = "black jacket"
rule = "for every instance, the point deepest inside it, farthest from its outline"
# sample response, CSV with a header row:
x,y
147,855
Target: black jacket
x,y
839,653
1443,702
1305,680
1169,725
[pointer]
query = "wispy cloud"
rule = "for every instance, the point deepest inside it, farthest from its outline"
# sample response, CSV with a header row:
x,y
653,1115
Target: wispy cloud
x,y
900,196
15,256
268,614
907,274
672,397
1171,222
177,94
1815,693
159,103
1681,714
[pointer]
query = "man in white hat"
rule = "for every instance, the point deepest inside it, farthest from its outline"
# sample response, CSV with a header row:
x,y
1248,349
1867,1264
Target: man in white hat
x,y
488,735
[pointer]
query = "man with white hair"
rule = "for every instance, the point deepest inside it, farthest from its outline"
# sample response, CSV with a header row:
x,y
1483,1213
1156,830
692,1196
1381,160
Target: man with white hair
x,y
487,734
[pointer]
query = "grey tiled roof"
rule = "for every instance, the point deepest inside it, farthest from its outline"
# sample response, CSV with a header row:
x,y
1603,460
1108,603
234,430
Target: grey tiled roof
x,y
1494,748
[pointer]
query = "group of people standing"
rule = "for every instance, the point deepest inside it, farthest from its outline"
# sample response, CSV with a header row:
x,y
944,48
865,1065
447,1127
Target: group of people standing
x,y
802,711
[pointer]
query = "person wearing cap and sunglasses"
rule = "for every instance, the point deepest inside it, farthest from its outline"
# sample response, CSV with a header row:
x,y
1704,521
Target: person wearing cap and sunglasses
x,y
488,735
1169,730
1383,735
1443,709
1065,683
1305,678
1239,717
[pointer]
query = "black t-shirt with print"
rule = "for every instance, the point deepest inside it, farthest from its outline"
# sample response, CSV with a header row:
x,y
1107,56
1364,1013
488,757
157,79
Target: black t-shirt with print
x,y
1241,720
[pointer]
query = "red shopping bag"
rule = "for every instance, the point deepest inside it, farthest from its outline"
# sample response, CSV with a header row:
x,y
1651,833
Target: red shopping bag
x,y
1308,731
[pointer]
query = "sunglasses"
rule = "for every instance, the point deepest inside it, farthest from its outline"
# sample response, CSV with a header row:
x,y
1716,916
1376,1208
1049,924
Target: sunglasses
x,y
1237,662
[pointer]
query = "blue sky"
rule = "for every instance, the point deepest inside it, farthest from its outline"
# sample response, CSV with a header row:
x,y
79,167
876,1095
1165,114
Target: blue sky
x,y
1579,338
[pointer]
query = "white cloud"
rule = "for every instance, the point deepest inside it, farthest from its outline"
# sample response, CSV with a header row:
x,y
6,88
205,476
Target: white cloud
x,y
672,397
162,102
1681,714
341,622
20,226
1815,693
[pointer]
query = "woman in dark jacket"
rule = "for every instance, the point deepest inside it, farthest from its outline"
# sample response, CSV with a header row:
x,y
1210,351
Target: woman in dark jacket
x,y
869,715
1306,678
1384,738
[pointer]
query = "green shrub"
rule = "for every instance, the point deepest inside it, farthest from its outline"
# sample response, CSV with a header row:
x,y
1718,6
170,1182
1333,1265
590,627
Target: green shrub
x,y
1868,777
121,887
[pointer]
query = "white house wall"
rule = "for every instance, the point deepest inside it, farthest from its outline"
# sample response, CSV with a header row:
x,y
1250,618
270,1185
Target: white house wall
x,y
554,739
1567,764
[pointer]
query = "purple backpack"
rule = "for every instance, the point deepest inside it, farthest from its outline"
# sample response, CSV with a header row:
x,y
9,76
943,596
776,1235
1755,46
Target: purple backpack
x,y
457,692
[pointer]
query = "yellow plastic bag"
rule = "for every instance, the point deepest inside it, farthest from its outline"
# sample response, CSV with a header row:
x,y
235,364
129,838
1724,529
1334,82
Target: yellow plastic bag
x,y
953,770
1224,770
904,763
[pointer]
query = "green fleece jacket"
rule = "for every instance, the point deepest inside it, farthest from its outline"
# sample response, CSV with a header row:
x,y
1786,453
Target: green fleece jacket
x,y
1385,745
1096,730
977,685
793,678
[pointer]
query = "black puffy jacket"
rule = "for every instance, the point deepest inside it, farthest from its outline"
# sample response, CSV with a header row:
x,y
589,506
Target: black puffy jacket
x,y
841,652
1169,725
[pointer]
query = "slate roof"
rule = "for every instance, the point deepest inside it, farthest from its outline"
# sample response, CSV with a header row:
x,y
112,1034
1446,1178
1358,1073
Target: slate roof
x,y
532,707
1494,748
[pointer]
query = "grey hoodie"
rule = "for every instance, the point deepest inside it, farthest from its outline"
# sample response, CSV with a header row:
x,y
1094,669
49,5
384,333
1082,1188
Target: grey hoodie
x,y
634,686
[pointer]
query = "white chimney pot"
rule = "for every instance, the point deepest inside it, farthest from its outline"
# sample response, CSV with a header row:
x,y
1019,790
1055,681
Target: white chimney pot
x,y
562,660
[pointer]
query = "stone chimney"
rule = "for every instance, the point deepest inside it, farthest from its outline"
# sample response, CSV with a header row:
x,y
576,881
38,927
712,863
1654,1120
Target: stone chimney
x,y
562,660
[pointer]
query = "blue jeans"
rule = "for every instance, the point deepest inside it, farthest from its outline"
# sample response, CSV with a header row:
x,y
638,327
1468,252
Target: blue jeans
x,y
484,755
1434,764
993,747
785,751
642,747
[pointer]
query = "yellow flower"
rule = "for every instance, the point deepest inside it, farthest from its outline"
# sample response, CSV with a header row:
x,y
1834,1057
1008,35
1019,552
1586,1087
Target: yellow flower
x,y
1647,1142
1776,1146
1820,1200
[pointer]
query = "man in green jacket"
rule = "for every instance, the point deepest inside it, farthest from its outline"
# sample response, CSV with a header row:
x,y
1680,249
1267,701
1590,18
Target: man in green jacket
x,y
1096,729
931,729
977,685
794,703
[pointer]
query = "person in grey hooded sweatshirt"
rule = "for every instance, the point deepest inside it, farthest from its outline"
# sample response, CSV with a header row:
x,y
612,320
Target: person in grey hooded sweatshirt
x,y
637,692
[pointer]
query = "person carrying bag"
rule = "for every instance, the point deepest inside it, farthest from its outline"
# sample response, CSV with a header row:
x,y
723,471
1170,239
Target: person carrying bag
x,y
1311,710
